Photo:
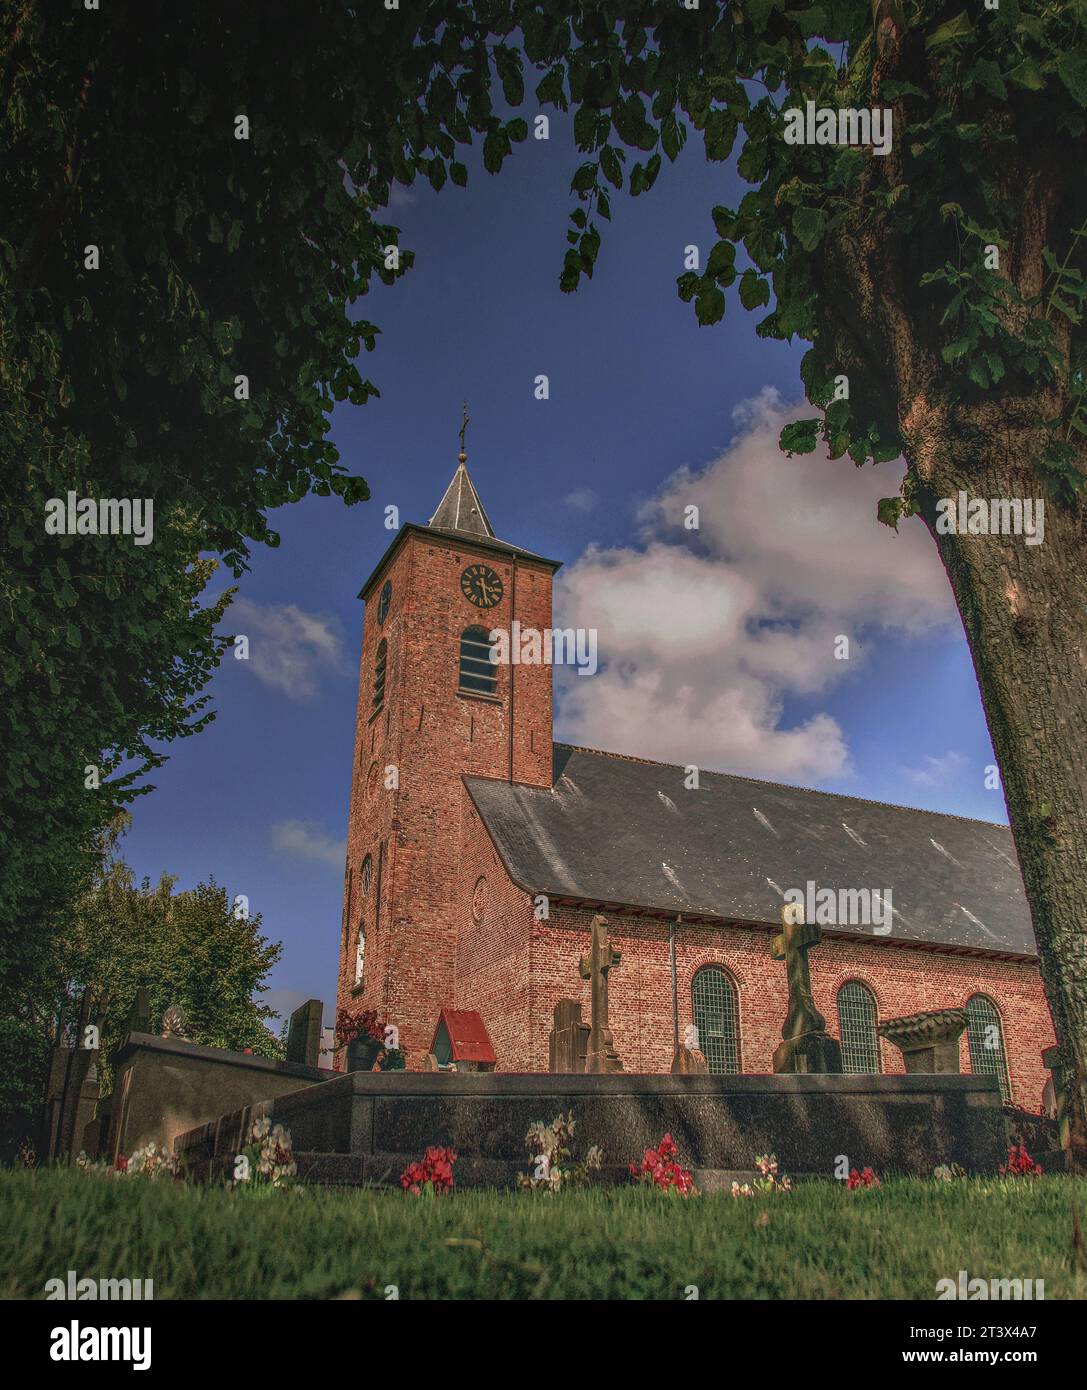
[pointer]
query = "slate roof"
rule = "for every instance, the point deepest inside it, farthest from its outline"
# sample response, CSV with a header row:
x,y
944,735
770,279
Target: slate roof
x,y
621,831
460,508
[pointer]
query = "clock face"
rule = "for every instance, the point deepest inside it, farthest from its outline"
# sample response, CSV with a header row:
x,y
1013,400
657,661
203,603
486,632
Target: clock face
x,y
481,585
384,601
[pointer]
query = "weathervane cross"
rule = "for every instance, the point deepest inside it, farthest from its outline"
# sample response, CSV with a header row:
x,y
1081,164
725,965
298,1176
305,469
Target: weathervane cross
x,y
463,427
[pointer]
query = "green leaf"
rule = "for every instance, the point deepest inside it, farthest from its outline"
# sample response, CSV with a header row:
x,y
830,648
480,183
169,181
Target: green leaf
x,y
754,290
721,264
610,163
958,28
809,225
1072,70
889,511
710,306
1027,74
508,63
800,437
459,174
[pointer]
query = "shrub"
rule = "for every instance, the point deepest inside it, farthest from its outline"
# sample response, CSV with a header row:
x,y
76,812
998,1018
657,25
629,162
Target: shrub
x,y
268,1157
1020,1164
766,1165
550,1148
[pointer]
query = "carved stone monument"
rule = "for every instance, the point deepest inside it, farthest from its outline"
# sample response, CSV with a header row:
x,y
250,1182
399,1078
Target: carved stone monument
x,y
596,965
175,1023
805,1046
929,1042
568,1041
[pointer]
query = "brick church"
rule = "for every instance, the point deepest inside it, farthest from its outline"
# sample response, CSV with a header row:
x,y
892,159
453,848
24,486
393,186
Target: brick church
x,y
479,850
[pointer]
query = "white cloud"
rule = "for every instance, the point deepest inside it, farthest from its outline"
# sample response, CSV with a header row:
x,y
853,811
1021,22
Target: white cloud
x,y
307,841
582,499
703,634
289,649
937,772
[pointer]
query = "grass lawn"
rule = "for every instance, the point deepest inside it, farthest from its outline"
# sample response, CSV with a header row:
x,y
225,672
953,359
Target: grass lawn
x,y
818,1242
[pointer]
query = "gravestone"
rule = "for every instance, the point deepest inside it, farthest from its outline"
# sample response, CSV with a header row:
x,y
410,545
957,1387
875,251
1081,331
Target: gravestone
x,y
1058,1097
568,1041
596,965
139,1015
928,1041
689,1061
805,1044
73,1087
304,1033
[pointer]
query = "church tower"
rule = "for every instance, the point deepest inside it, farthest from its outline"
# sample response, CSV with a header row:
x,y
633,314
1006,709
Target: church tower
x,y
432,709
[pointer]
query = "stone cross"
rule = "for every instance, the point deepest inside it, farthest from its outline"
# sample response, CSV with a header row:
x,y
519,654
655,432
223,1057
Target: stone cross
x,y
595,966
805,1044
792,946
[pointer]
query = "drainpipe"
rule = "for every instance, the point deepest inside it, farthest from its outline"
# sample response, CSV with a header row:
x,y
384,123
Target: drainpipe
x,y
672,927
513,614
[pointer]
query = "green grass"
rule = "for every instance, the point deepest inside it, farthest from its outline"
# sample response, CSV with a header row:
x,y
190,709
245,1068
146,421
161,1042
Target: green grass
x,y
818,1242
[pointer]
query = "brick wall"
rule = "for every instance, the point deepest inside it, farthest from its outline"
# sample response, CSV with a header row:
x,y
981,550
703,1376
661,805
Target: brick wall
x,y
903,980
432,734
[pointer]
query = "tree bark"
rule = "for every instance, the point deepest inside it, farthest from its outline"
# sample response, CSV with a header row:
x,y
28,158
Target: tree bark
x,y
1024,612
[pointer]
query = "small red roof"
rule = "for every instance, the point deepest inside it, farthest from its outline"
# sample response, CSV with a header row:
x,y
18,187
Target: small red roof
x,y
468,1038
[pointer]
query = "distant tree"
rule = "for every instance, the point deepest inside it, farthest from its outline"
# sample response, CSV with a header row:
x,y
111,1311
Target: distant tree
x,y
190,948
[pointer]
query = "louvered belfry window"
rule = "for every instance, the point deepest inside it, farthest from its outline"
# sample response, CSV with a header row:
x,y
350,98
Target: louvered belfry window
x,y
986,1040
478,673
716,1016
857,1029
379,675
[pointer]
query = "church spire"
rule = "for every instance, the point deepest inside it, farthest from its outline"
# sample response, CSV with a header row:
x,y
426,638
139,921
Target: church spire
x,y
460,509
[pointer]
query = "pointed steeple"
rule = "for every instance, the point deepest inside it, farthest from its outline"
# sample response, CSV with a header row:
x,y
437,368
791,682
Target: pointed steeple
x,y
460,509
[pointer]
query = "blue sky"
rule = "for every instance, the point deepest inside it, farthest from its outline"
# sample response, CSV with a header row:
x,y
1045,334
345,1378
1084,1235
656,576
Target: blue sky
x,y
638,393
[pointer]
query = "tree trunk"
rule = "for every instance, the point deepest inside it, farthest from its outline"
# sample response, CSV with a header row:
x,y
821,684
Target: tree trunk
x,y
1024,610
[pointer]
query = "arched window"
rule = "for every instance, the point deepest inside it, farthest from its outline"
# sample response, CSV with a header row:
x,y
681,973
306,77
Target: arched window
x,y
985,1037
379,675
478,673
360,955
857,1028
367,875
717,1018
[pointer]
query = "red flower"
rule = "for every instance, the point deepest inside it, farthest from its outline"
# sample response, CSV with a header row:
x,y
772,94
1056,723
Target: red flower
x,y
436,1169
1020,1164
866,1178
659,1169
